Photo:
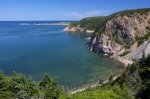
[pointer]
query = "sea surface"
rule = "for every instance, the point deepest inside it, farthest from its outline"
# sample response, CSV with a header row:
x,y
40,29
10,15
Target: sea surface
x,y
36,47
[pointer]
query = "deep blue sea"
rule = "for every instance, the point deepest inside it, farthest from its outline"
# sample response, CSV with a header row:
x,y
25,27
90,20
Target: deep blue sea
x,y
35,48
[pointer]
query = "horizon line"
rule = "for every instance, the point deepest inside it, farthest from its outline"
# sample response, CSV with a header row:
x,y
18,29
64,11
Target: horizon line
x,y
39,20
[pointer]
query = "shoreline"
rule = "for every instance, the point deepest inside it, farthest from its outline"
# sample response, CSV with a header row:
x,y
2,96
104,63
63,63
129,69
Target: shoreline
x,y
122,60
93,85
110,78
77,29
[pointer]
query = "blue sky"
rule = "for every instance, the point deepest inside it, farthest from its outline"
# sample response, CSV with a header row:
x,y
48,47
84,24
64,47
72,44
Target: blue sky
x,y
64,9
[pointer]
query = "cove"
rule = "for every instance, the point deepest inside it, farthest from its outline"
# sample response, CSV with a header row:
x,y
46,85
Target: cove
x,y
35,49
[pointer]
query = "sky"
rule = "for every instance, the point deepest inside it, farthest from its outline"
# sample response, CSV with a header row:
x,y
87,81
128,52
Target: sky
x,y
46,10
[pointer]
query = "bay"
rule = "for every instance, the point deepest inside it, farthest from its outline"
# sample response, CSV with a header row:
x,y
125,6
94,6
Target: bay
x,y
35,48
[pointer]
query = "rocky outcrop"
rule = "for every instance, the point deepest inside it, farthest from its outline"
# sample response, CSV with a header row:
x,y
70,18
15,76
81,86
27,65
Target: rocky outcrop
x,y
143,49
77,29
121,34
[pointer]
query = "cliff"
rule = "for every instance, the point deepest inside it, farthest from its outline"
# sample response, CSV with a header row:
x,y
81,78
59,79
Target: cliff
x,y
123,34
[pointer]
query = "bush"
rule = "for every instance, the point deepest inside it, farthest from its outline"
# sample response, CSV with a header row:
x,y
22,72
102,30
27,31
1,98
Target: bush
x,y
89,23
140,40
19,86
105,92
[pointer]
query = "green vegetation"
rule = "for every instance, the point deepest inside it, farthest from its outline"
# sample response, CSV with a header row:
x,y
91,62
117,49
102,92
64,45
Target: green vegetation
x,y
116,39
137,78
140,40
105,92
18,86
134,83
101,27
131,12
98,24
89,23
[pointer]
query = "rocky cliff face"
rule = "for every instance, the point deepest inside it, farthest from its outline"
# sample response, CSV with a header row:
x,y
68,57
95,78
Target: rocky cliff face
x,y
77,29
121,35
139,51
74,29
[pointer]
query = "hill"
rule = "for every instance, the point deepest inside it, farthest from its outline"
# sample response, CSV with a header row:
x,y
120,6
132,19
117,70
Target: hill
x,y
124,34
85,25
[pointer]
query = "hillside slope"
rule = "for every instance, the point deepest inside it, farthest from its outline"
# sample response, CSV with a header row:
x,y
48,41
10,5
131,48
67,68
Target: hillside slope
x,y
122,34
85,25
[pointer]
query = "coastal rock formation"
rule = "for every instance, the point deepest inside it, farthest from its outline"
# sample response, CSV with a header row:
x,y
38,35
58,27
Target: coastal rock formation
x,y
142,49
122,34
75,29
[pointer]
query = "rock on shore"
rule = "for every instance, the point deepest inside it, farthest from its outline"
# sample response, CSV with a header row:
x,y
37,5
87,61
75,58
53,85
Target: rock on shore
x,y
77,29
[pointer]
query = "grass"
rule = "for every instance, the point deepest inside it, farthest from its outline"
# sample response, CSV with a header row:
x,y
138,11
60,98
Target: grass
x,y
141,40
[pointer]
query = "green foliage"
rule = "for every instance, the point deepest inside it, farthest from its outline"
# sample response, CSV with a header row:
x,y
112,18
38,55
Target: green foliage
x,y
134,83
5,87
89,23
140,40
19,86
98,23
101,27
137,78
50,87
105,92
118,41
131,12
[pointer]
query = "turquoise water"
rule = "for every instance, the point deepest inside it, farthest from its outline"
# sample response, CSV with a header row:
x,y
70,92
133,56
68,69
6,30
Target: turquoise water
x,y
37,49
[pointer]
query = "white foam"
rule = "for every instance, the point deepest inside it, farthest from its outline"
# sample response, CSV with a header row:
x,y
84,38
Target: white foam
x,y
47,24
25,24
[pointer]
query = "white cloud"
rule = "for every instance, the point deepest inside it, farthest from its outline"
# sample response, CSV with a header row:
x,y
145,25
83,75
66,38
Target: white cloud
x,y
78,15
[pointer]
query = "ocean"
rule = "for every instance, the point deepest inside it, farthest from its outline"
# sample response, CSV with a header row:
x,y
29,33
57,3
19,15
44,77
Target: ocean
x,y
37,47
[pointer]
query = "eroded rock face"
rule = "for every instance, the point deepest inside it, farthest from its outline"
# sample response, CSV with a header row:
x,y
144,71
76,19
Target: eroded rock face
x,y
120,34
77,29
142,49
102,44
